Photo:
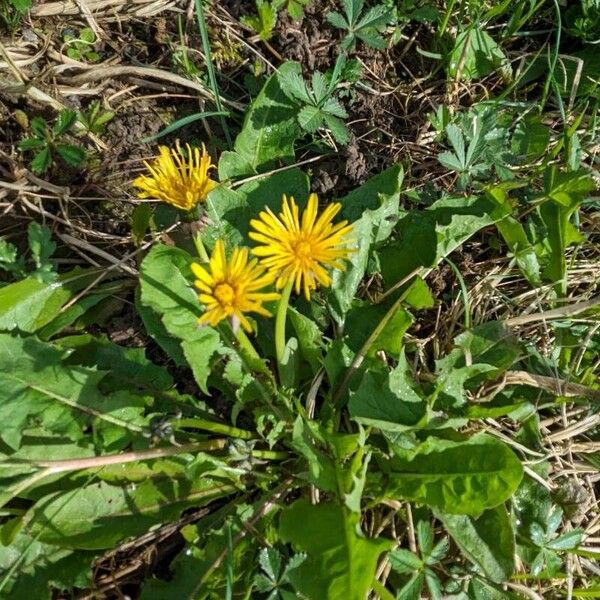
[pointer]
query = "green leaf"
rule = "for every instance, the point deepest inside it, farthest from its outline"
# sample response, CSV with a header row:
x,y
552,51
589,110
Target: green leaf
x,y
373,208
69,316
166,288
376,17
478,54
435,231
174,126
42,161
333,107
65,399
363,318
232,210
30,569
487,541
32,143
21,5
66,119
456,477
140,222
310,338
71,154
340,561
388,400
30,304
310,118
402,561
41,245
39,127
293,86
513,233
100,515
338,129
268,133
337,20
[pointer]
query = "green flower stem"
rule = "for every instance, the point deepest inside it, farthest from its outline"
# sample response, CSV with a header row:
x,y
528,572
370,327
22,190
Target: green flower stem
x,y
280,320
207,425
200,249
269,454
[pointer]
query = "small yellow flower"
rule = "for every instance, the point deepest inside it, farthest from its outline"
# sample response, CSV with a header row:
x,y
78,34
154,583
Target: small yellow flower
x,y
180,181
300,249
230,289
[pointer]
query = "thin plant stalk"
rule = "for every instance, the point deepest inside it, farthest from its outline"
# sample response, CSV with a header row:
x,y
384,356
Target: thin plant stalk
x,y
280,321
210,67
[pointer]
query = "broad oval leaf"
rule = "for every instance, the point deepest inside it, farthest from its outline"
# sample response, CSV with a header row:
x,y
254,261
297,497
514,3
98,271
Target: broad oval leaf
x,y
457,477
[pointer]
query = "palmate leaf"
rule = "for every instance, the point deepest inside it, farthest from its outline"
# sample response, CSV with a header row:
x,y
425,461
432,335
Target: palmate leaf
x,y
340,562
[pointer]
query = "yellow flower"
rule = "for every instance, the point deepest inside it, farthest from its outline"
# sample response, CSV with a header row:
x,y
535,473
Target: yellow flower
x,y
180,181
300,249
230,289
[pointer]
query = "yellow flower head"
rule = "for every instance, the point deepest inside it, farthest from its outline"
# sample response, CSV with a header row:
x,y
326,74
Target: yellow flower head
x,y
300,249
180,181
230,289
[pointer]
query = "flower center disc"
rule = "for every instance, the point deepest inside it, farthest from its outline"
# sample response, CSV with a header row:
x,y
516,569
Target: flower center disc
x,y
304,250
225,294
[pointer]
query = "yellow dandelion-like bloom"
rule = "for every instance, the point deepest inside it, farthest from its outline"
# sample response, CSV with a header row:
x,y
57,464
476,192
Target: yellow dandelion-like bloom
x,y
177,180
301,249
230,289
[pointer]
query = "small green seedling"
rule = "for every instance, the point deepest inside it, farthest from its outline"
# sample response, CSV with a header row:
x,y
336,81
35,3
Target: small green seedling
x,y
82,48
366,27
94,119
47,143
320,107
41,248
265,19
11,12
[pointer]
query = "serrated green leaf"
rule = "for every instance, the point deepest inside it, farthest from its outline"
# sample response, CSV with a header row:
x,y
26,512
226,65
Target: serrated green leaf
x,y
39,127
42,161
337,20
71,154
40,243
310,118
402,561
66,119
338,129
32,143
333,107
